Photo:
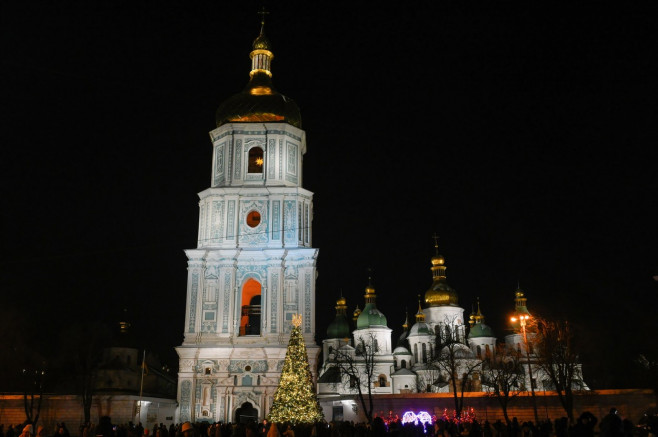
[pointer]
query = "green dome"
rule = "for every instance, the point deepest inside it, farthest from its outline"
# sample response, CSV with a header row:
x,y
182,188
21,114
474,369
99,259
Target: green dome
x,y
419,328
370,317
401,350
480,330
339,328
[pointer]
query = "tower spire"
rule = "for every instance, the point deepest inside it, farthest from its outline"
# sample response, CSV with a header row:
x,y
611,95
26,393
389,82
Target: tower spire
x,y
438,262
420,316
370,289
262,12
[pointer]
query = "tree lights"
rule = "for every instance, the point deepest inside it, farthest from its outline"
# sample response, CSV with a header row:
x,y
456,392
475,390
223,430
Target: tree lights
x,y
295,400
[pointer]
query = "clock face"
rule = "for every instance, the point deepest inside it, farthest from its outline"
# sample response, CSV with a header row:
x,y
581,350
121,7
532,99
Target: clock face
x,y
253,219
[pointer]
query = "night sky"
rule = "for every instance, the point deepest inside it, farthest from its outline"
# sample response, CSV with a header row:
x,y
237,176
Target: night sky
x,y
523,136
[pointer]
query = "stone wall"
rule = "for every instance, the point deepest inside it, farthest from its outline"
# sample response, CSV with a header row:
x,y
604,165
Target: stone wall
x,y
68,409
630,403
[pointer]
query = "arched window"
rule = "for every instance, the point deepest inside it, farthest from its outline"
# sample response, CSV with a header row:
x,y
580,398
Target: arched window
x,y
250,316
487,351
256,160
416,352
424,346
382,380
403,364
479,351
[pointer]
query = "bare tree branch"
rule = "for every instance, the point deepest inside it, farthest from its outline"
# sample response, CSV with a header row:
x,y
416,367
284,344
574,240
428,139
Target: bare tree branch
x,y
357,369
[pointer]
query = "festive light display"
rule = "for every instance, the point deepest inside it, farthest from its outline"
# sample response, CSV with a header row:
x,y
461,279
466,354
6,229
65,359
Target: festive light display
x,y
389,418
295,400
467,415
422,417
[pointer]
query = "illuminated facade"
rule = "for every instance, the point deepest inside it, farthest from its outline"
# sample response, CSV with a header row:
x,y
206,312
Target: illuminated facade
x,y
411,367
254,265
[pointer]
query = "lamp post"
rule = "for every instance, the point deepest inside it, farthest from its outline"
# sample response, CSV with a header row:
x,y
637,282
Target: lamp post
x,y
522,319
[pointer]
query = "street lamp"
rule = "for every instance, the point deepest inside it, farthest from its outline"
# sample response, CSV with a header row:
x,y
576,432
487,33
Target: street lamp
x,y
523,319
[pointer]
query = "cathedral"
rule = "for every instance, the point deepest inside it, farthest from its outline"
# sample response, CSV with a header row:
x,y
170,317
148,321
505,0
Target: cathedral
x,y
362,349
254,266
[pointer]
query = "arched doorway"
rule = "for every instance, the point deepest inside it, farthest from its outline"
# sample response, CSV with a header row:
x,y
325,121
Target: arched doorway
x,y
246,414
250,316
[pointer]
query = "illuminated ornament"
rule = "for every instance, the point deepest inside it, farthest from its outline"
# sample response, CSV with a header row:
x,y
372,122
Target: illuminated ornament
x,y
409,417
259,162
422,417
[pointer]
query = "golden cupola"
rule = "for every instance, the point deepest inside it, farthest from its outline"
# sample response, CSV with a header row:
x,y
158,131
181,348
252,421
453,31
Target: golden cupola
x,y
520,309
420,327
477,325
440,293
356,314
259,101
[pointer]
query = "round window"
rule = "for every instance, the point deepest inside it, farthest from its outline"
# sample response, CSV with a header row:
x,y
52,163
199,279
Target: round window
x,y
253,219
247,368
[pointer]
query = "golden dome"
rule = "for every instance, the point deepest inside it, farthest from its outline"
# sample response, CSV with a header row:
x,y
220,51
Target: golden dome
x,y
441,294
259,101
261,42
438,260
341,302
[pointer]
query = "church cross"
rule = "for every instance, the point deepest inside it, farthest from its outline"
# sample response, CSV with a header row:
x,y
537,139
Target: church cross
x,y
262,14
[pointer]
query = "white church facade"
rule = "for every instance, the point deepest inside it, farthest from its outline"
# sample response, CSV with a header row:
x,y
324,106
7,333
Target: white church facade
x,y
411,365
254,265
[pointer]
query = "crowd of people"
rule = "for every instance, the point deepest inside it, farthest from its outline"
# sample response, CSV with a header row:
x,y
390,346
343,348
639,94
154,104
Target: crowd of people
x,y
586,425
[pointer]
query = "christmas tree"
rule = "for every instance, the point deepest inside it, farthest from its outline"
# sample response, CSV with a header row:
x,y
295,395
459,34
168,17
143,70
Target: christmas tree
x,y
295,400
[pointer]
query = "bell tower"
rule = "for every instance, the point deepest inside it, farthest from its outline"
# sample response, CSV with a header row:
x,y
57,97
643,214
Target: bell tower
x,y
254,265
